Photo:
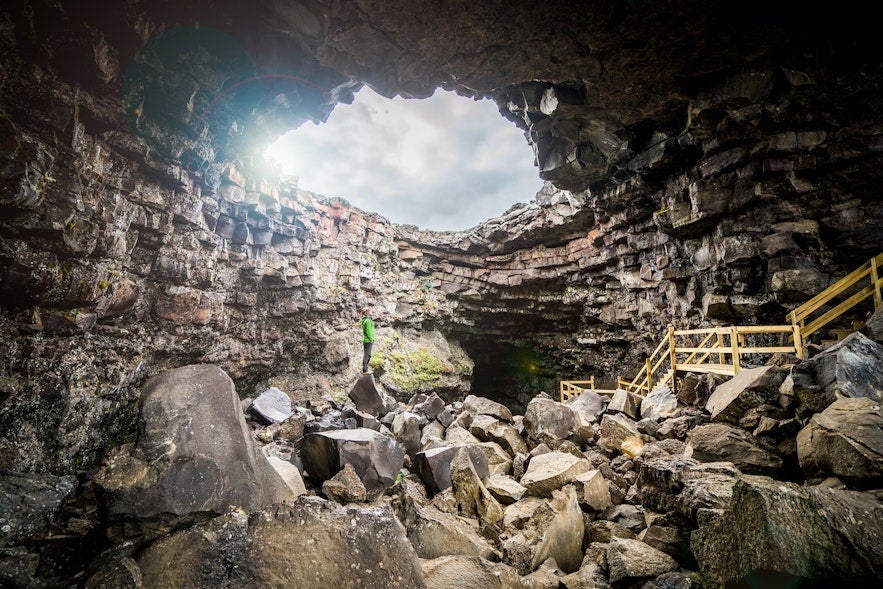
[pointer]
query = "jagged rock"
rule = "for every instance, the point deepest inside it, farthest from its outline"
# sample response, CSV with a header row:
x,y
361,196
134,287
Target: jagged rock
x,y
367,397
122,573
844,440
589,576
590,403
309,543
667,539
290,474
873,327
456,572
706,486
720,442
345,486
406,429
625,402
633,559
292,429
434,533
628,516
193,453
29,502
429,407
852,367
750,388
592,490
775,529
459,436
677,427
505,489
615,429
499,461
273,406
472,496
483,406
519,513
563,538
434,465
432,434
489,429
377,458
545,420
604,531
551,471
659,403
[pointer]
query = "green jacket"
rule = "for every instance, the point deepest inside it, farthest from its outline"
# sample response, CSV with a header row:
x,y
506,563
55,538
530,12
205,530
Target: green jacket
x,y
367,329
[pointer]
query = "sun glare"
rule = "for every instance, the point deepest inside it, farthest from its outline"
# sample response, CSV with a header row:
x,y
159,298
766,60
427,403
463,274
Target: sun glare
x,y
445,163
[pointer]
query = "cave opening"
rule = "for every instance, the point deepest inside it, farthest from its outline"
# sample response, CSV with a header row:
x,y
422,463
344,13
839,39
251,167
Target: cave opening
x,y
445,163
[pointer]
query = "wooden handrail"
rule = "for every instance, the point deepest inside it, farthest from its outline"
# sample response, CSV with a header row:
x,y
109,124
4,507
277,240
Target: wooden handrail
x,y
797,332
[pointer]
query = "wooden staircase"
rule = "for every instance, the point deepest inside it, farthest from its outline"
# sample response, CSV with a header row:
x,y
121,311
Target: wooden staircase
x,y
722,350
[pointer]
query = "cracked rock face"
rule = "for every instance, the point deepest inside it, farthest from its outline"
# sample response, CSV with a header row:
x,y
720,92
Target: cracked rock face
x,y
706,163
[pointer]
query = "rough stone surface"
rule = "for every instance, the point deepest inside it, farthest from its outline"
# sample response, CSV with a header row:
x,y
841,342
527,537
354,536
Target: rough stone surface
x,y
273,405
551,471
715,442
310,543
376,458
193,452
751,387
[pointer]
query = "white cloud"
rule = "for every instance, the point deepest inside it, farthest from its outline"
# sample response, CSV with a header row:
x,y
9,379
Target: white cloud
x,y
444,163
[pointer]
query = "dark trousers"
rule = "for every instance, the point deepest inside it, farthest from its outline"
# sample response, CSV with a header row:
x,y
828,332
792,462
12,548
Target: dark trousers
x,y
366,357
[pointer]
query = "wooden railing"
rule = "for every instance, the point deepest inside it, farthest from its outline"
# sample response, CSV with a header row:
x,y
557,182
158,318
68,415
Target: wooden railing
x,y
801,317
573,388
721,350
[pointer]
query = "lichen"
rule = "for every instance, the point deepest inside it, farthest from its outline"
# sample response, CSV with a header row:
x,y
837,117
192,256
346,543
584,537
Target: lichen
x,y
414,370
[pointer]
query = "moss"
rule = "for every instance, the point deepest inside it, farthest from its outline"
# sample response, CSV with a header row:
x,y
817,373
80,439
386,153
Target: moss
x,y
416,369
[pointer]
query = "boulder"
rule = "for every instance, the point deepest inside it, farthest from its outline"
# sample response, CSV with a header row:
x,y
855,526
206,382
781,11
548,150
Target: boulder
x,y
272,406
472,496
194,452
290,474
852,367
483,406
774,530
457,572
406,429
615,429
633,559
546,420
590,403
429,407
345,486
434,533
548,472
434,465
659,403
720,442
309,543
29,502
376,458
563,538
592,491
367,397
750,388
505,489
844,440
490,429
625,402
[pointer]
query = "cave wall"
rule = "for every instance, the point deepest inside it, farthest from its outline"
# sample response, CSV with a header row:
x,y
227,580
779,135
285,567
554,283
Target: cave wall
x,y
705,163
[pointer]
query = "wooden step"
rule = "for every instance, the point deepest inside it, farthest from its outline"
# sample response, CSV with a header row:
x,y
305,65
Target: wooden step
x,y
725,369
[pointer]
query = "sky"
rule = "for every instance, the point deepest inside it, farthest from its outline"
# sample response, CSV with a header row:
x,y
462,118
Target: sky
x,y
446,163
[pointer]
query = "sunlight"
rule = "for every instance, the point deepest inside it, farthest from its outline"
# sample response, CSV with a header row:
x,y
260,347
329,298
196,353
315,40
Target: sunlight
x,y
446,163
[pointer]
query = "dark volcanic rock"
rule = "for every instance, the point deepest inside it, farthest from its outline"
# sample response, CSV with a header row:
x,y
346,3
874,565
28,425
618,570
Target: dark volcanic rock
x,y
376,458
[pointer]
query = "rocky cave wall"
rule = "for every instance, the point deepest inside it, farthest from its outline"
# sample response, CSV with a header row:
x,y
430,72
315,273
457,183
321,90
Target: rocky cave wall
x,y
706,162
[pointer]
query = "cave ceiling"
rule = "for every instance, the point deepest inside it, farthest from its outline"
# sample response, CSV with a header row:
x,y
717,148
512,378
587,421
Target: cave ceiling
x,y
591,83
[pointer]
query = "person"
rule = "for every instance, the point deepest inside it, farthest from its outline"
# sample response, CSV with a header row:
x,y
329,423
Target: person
x,y
367,338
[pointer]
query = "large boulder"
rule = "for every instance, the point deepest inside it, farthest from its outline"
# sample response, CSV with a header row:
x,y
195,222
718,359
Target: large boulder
x,y
850,368
309,543
548,421
774,530
659,403
29,502
551,471
434,465
376,458
193,453
484,406
751,387
630,559
272,406
844,440
720,442
367,397
457,572
564,537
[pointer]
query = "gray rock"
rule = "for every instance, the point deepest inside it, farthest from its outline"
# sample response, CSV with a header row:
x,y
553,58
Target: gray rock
x,y
273,406
616,428
659,403
345,487
367,397
633,559
625,402
308,543
851,368
545,420
750,388
434,465
589,402
720,442
457,572
844,440
792,533
484,406
551,471
29,502
563,538
194,452
376,458
505,489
